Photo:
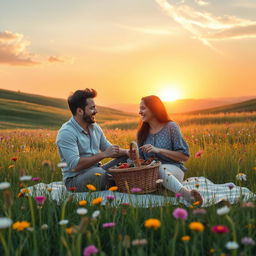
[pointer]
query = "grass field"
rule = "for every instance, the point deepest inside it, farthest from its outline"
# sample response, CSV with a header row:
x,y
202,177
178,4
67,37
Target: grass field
x,y
228,149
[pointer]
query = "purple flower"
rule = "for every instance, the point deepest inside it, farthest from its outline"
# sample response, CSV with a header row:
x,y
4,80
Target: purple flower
x,y
40,200
231,186
199,211
89,250
110,198
36,179
247,241
178,195
180,213
108,225
136,190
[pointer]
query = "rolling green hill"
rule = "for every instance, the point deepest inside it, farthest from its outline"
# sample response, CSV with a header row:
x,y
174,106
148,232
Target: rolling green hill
x,y
245,106
23,110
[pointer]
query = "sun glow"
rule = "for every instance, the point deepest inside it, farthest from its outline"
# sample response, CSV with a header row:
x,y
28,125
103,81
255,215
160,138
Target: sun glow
x,y
169,93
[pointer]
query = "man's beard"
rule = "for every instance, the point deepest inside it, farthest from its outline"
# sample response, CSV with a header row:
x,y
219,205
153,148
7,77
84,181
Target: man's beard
x,y
89,119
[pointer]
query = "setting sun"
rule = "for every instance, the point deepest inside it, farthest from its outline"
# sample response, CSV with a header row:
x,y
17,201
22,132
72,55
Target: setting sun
x,y
169,93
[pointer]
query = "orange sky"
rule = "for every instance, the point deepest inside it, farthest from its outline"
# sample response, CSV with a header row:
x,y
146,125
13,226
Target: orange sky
x,y
126,50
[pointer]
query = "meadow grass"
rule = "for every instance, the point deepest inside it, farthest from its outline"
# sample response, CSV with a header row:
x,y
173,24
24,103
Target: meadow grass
x,y
227,149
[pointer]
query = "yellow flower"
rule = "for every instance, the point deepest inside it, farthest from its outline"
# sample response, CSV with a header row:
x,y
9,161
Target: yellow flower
x,y
82,202
196,226
114,188
69,230
152,223
20,225
190,206
197,185
49,189
11,166
196,203
185,238
97,174
91,187
212,250
97,200
25,190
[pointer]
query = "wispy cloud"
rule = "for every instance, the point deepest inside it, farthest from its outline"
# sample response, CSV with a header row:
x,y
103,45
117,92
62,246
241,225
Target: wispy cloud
x,y
205,26
13,50
55,59
201,2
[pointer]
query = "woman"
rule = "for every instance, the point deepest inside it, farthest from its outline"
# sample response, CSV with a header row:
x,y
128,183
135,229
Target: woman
x,y
161,138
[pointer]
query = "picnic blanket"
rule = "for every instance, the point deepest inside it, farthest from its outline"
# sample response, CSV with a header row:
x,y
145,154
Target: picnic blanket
x,y
211,193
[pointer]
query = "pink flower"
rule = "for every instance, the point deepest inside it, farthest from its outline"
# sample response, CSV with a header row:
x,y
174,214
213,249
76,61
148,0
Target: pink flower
x,y
136,190
40,200
199,211
220,229
110,198
108,225
178,195
36,178
180,213
199,153
89,250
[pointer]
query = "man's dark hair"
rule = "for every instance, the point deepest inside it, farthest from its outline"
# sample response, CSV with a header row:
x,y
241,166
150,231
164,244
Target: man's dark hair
x,y
79,99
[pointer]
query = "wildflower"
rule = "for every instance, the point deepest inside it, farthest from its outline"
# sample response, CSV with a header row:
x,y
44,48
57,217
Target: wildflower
x,y
46,163
159,181
89,250
44,227
97,200
97,174
138,242
212,250
25,190
81,211
199,153
69,230
11,166
248,205
241,176
4,185
223,210
220,229
114,188
152,223
49,189
62,165
231,186
72,189
91,187
180,213
82,202
232,245
197,185
20,225
125,204
5,222
247,241
108,225
63,222
25,178
199,211
185,238
40,200
110,198
178,195
36,179
196,226
14,159
136,190
196,203
95,214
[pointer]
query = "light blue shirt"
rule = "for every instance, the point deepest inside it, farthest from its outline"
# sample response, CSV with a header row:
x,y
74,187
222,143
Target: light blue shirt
x,y
169,137
74,142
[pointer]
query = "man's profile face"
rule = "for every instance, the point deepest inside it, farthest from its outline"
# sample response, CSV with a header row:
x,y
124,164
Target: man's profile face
x,y
90,111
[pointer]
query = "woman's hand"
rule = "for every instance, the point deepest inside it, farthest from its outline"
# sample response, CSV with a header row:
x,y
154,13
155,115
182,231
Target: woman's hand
x,y
148,148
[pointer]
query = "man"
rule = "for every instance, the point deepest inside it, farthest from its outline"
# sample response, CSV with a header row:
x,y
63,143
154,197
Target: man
x,y
82,145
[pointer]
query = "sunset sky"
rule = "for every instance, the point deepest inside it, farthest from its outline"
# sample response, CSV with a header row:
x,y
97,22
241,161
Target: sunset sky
x,y
126,49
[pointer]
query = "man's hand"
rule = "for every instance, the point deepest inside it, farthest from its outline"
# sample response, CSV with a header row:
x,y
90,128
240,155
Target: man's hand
x,y
148,148
112,151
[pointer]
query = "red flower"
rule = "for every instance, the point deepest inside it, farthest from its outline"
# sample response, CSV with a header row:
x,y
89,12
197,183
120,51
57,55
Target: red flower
x,y
220,229
72,189
199,153
14,158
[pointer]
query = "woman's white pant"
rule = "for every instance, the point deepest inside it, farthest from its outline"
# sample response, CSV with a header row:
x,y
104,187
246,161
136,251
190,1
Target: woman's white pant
x,y
172,177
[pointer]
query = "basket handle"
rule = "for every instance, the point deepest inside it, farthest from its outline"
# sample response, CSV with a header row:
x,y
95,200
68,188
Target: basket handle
x,y
134,146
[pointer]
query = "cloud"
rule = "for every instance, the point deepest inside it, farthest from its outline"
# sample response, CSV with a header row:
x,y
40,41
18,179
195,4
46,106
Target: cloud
x,y
201,2
205,26
55,59
13,50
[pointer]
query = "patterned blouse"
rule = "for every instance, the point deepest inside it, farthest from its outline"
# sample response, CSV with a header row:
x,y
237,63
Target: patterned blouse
x,y
169,137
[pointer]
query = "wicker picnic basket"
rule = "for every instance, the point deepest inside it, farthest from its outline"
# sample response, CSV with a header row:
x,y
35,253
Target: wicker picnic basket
x,y
140,176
